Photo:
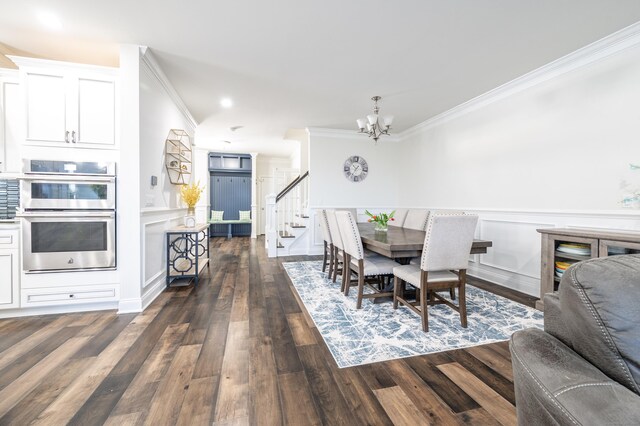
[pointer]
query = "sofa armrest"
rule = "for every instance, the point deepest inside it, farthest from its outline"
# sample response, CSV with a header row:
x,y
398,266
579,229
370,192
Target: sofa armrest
x,y
554,385
552,320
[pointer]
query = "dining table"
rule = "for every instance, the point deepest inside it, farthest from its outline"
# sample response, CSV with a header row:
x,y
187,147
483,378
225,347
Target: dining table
x,y
403,243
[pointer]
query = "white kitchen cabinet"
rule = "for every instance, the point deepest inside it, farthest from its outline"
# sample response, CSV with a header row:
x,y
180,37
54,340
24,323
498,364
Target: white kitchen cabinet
x,y
10,121
9,269
69,104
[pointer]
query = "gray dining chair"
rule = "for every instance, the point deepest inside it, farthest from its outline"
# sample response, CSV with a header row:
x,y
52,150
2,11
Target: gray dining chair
x,y
443,265
416,219
327,252
336,239
369,266
398,218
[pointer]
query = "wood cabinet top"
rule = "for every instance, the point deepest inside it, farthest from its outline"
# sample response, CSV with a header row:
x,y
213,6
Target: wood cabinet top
x,y
602,234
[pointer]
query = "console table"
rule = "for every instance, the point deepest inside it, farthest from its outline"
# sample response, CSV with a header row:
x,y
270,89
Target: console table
x,y
602,243
187,252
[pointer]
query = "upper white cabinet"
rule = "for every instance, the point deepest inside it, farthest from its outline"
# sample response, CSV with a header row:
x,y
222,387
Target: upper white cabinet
x,y
69,104
10,121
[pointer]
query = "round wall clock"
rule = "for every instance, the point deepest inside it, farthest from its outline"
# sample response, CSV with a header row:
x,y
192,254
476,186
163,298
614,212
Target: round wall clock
x,y
356,168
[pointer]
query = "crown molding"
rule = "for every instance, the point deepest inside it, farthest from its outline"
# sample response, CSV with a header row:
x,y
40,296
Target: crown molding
x,y
9,72
619,41
149,60
347,134
23,61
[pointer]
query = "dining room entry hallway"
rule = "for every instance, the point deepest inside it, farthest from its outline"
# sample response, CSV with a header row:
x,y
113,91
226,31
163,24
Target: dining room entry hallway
x,y
238,349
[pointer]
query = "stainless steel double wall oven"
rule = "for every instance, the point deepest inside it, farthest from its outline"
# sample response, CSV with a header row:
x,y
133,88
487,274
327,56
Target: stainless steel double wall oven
x,y
68,212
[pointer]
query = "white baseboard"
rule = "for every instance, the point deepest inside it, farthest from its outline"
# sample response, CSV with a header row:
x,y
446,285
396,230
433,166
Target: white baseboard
x,y
55,310
518,282
154,290
128,306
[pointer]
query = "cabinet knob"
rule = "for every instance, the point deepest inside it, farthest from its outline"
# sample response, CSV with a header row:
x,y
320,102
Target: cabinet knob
x,y
66,136
73,136
71,296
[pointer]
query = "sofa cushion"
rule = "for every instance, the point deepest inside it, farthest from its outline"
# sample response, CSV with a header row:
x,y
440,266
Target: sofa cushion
x,y
600,308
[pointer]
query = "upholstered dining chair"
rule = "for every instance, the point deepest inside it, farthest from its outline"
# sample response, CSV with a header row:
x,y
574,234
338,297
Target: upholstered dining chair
x,y
416,219
443,265
327,253
371,265
336,239
398,218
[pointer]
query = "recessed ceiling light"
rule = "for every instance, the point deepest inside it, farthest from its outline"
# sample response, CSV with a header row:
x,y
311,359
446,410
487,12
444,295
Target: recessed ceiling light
x,y
226,141
226,102
49,20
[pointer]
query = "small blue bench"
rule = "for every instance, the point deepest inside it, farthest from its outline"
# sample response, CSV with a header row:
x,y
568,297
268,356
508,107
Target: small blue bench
x,y
229,223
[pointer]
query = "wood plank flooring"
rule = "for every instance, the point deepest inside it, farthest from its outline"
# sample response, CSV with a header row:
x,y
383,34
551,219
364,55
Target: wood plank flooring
x,y
240,349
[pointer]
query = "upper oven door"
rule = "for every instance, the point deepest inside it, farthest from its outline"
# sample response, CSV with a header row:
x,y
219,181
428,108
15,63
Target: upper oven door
x,y
43,192
69,168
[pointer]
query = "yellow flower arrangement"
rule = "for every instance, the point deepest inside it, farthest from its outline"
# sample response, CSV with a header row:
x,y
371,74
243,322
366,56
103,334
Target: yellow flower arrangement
x,y
190,194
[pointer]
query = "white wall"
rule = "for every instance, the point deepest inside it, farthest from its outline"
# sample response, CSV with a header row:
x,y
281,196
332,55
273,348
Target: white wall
x,y
563,144
550,155
328,185
150,109
550,149
158,115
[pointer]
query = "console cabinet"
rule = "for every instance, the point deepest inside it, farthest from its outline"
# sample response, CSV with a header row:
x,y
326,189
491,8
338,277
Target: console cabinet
x,y
602,243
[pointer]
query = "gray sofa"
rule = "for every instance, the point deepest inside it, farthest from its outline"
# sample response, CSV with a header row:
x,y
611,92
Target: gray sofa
x,y
584,368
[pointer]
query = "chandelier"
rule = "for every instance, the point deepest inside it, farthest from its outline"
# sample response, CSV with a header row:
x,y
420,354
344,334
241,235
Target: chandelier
x,y
372,125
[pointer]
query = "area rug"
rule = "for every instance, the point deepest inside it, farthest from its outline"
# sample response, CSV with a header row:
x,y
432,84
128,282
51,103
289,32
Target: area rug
x,y
377,332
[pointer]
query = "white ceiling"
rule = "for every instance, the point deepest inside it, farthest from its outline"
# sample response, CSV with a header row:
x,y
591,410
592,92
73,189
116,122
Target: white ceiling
x,y
295,63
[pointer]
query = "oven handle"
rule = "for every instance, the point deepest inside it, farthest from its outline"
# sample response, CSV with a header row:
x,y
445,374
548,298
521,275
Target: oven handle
x,y
67,214
62,178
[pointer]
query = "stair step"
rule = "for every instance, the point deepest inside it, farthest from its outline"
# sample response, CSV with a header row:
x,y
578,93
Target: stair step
x,y
304,216
296,225
279,245
286,235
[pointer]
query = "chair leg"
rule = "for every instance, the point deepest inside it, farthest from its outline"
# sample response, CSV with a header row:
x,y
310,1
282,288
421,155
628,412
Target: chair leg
x,y
396,291
360,283
462,303
452,293
423,310
324,257
331,266
335,268
346,273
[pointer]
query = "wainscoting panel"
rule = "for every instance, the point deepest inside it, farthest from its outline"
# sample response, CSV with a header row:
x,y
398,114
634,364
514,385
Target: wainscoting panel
x,y
154,245
516,246
514,259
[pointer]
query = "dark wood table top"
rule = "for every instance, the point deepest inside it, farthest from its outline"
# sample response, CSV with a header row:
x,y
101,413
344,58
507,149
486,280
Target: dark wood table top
x,y
401,242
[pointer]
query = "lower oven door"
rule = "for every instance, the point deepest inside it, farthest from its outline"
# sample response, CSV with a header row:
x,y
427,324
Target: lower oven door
x,y
64,241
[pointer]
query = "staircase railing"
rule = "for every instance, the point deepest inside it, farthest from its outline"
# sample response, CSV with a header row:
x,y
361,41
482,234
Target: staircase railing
x,y
285,211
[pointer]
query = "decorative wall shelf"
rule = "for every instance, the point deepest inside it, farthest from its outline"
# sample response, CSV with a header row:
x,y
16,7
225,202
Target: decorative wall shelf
x,y
178,157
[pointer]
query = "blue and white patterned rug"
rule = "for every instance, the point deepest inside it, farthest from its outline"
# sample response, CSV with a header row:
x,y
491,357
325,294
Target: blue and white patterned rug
x,y
377,332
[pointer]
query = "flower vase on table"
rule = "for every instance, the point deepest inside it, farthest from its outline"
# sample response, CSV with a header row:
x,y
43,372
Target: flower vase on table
x,y
381,220
190,194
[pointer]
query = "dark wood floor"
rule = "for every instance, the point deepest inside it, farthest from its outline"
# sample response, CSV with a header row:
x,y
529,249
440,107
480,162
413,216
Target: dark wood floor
x,y
240,349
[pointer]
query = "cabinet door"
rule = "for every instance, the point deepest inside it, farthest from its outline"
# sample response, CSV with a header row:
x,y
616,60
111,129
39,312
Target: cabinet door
x,y
11,127
9,279
46,107
96,112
